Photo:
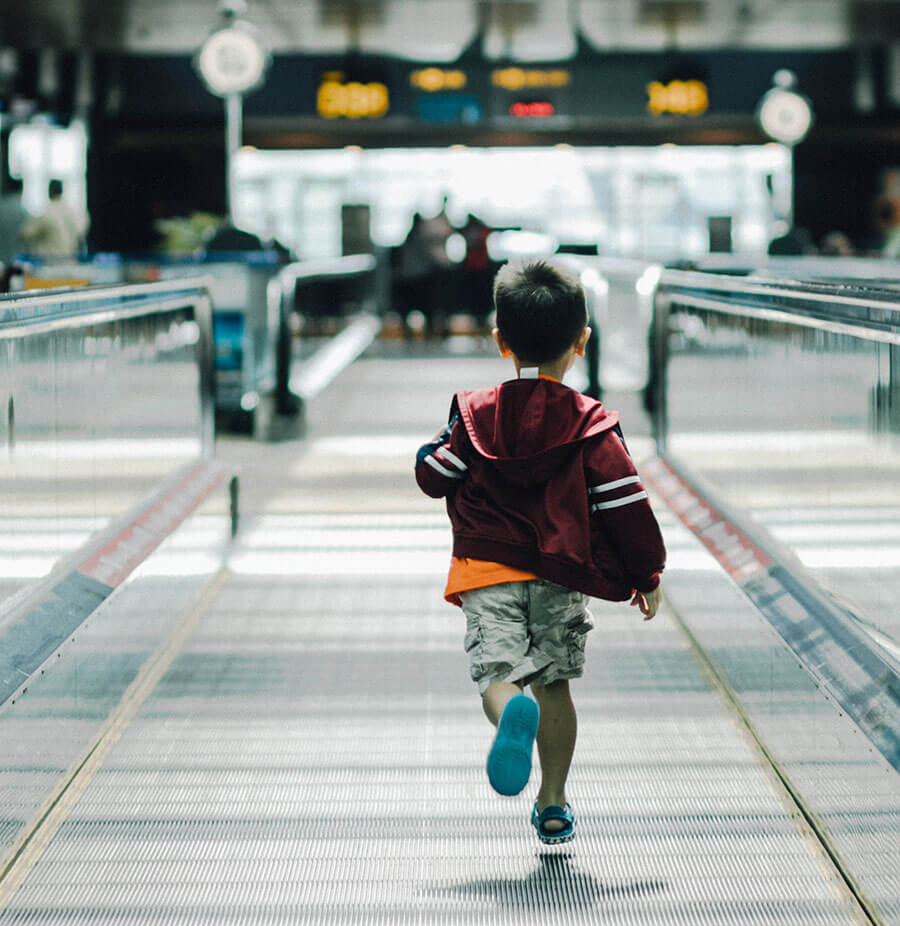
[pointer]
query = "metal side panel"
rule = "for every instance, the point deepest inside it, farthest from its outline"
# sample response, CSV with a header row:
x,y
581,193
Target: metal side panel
x,y
315,755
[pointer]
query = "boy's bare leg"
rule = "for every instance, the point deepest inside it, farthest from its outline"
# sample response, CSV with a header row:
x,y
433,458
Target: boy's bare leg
x,y
556,744
497,697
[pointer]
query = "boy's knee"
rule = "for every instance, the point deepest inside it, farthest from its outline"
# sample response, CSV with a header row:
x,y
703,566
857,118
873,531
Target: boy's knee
x,y
552,689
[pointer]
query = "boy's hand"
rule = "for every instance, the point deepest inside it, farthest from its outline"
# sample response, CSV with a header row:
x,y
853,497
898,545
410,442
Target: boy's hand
x,y
648,602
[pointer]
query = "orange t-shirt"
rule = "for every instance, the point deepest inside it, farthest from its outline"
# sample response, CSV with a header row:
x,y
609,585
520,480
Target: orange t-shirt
x,y
466,574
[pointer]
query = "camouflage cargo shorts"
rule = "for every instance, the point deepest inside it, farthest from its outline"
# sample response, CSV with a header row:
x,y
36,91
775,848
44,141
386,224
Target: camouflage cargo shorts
x,y
525,632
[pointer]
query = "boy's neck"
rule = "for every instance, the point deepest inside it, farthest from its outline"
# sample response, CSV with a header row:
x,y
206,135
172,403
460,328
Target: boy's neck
x,y
556,370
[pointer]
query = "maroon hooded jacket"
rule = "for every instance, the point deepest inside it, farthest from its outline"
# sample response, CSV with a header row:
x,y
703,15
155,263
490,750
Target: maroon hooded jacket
x,y
537,477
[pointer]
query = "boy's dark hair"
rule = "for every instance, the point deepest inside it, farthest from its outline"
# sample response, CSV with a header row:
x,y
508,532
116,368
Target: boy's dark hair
x,y
540,310
55,189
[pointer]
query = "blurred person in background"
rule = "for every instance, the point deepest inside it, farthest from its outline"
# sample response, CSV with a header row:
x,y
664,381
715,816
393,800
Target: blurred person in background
x,y
796,242
478,269
13,217
228,238
412,270
888,216
435,232
59,231
837,244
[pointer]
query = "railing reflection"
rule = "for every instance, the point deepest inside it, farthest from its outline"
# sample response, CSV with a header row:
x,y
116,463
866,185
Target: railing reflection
x,y
106,391
785,397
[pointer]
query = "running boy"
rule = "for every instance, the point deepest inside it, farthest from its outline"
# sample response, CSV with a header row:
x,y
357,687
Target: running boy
x,y
547,509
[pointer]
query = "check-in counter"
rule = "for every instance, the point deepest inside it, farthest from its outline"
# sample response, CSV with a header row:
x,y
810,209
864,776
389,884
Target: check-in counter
x,y
38,273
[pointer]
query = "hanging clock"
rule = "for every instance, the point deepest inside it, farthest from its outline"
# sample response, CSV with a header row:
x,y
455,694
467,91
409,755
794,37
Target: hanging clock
x,y
233,60
784,114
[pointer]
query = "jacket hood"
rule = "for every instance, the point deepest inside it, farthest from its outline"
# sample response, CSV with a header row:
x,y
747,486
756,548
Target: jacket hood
x,y
530,427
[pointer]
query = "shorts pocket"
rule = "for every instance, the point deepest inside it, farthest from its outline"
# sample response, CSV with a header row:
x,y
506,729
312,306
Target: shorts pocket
x,y
577,629
576,645
474,646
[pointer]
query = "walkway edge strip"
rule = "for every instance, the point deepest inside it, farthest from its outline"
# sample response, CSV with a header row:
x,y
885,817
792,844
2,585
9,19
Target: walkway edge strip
x,y
38,833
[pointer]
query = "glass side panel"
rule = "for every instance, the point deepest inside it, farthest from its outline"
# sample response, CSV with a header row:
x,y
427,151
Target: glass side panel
x,y
92,420
795,426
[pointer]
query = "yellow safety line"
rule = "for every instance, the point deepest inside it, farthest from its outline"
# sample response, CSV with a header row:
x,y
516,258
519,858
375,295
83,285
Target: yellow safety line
x,y
37,834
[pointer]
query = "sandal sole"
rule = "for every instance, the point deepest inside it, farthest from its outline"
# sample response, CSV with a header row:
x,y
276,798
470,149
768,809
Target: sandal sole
x,y
566,834
509,761
556,840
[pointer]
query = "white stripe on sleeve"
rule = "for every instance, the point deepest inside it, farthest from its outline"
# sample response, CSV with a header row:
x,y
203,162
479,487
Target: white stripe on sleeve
x,y
453,458
430,460
618,502
615,484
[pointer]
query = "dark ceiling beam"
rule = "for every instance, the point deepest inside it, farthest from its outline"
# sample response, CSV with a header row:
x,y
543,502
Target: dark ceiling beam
x,y
63,24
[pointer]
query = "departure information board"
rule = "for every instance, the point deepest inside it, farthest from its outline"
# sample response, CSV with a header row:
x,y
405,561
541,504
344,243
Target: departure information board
x,y
646,88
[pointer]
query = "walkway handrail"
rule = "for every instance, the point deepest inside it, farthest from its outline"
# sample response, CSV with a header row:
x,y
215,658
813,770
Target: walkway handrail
x,y
326,268
865,309
824,633
868,309
22,313
32,313
281,298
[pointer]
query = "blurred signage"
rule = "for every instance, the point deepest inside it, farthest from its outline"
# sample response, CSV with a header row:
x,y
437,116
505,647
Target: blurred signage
x,y
514,78
449,107
338,98
532,110
593,86
679,97
433,80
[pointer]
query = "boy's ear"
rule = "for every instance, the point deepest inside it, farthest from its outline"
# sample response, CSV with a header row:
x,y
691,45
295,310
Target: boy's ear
x,y
501,344
581,343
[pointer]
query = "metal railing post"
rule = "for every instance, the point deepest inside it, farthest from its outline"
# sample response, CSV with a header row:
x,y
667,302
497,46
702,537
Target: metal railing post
x,y
656,390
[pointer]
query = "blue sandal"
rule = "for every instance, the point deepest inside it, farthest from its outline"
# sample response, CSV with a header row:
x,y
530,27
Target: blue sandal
x,y
553,812
509,761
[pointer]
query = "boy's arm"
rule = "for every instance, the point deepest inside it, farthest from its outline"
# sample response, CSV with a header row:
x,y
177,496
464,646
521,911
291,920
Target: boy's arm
x,y
439,465
620,509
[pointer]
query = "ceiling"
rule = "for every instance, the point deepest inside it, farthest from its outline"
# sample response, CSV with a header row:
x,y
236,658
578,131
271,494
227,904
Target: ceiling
x,y
439,30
